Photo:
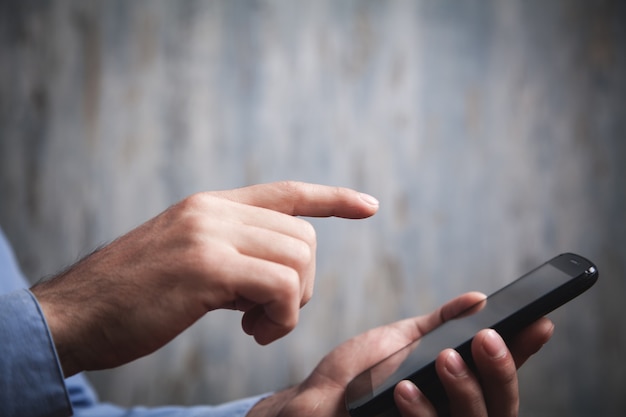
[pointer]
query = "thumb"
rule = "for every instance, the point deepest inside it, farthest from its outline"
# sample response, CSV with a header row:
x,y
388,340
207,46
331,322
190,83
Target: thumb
x,y
304,199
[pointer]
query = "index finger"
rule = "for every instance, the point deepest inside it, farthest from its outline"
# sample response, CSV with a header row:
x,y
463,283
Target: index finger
x,y
304,199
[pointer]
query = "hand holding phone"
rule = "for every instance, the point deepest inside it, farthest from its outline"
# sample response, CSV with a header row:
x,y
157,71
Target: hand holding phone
x,y
507,311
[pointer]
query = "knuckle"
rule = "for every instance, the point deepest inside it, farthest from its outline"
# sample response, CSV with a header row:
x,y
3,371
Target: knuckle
x,y
306,297
290,193
286,304
290,187
185,215
191,229
308,232
508,377
193,201
302,255
286,296
288,284
290,321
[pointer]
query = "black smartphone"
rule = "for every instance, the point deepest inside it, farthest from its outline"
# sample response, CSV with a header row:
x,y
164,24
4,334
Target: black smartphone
x,y
507,311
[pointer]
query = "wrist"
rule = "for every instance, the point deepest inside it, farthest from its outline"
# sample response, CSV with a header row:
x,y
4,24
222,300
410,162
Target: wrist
x,y
55,326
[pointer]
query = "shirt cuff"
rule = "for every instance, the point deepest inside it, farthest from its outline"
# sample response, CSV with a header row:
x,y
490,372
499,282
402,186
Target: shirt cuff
x,y
31,378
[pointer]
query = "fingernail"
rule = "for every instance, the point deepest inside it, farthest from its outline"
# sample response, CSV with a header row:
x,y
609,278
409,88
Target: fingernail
x,y
494,345
409,392
369,199
455,364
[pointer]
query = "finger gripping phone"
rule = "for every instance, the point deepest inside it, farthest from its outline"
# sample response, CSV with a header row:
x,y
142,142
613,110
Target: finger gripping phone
x,y
507,311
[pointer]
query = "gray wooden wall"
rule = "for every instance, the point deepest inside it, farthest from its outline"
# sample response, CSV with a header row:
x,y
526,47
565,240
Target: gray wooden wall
x,y
493,133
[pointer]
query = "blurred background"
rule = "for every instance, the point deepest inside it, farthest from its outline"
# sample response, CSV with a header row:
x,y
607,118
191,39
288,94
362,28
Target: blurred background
x,y
492,132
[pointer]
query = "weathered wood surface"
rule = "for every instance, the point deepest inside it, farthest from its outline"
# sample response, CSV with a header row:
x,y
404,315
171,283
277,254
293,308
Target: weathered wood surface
x,y
492,132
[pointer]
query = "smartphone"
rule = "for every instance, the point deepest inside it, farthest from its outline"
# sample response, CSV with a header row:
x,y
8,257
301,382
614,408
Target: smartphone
x,y
507,311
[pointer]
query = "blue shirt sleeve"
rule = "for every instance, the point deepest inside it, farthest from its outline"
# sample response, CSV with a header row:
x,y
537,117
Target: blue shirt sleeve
x,y
31,380
31,377
238,408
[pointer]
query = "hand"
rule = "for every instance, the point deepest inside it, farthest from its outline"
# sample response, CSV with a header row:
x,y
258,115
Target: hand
x,y
322,393
241,249
492,392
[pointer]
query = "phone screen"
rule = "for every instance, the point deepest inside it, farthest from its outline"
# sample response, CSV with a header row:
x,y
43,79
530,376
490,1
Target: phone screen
x,y
508,310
